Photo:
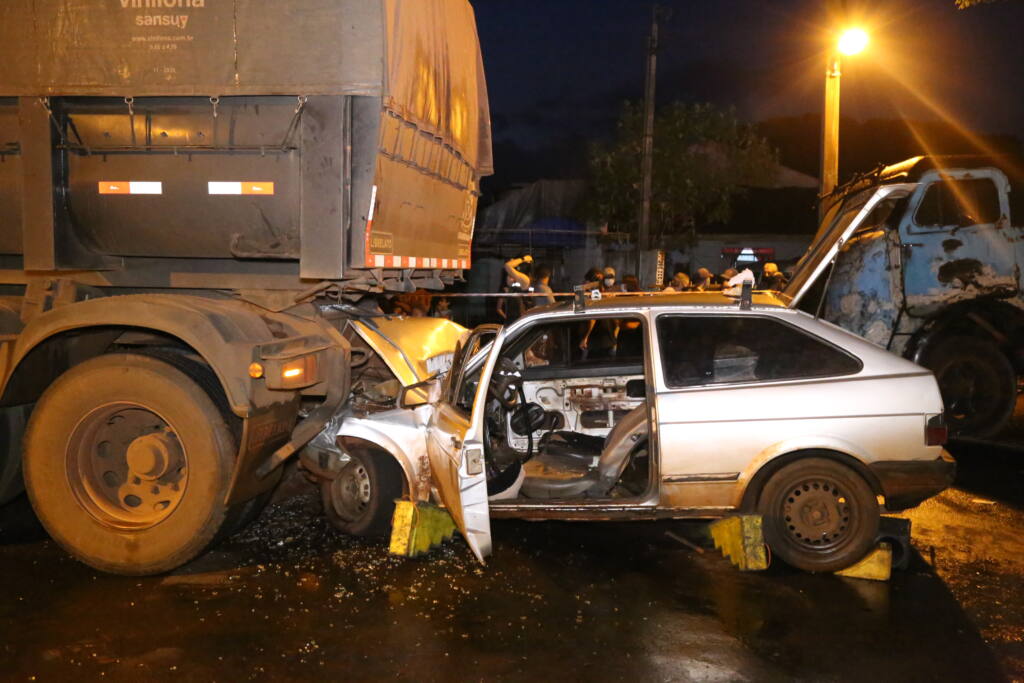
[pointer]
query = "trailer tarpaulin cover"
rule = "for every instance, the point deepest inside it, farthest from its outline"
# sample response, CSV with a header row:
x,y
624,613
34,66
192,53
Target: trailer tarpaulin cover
x,y
436,75
186,47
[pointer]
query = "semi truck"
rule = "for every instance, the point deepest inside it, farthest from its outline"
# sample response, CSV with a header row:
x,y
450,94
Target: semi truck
x,y
932,272
194,195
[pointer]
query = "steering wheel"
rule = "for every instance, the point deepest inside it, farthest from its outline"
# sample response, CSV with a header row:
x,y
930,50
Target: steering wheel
x,y
505,383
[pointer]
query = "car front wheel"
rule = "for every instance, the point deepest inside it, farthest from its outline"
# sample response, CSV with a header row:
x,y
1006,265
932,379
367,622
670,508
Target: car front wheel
x,y
360,500
819,515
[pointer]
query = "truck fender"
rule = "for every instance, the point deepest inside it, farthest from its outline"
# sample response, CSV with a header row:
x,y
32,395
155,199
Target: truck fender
x,y
996,320
229,335
222,332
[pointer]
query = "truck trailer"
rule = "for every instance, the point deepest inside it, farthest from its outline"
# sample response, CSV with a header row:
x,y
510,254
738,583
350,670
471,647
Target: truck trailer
x,y
193,193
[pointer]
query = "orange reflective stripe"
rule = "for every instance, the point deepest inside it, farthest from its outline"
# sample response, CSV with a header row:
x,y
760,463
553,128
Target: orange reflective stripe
x,y
114,187
257,188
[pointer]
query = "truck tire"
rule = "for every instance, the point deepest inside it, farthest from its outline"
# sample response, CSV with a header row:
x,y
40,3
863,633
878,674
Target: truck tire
x,y
360,500
12,430
127,461
978,384
818,515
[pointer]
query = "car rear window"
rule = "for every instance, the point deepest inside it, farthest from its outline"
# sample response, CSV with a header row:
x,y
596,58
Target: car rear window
x,y
701,350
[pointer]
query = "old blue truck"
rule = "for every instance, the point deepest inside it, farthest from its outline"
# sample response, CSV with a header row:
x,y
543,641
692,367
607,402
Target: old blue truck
x,y
924,258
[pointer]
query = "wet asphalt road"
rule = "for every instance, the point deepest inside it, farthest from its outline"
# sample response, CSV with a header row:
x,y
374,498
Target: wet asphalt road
x,y
289,599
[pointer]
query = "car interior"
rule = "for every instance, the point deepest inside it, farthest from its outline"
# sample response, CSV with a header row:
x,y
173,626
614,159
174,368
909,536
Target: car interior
x,y
567,413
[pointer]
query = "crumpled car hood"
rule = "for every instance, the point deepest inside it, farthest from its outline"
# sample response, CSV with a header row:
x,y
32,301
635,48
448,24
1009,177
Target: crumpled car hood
x,y
413,348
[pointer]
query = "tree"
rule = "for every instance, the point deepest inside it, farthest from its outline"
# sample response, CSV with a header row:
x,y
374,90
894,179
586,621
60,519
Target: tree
x,y
964,4
704,157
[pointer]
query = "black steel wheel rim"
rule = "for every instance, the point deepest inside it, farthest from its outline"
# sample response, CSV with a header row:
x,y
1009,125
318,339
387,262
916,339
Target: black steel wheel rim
x,y
817,515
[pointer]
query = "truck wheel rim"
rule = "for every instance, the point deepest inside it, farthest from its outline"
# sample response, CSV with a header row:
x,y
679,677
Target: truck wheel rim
x,y
816,514
126,466
969,390
351,491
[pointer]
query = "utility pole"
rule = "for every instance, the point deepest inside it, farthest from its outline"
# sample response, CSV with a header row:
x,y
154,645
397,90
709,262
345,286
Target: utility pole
x,y
647,163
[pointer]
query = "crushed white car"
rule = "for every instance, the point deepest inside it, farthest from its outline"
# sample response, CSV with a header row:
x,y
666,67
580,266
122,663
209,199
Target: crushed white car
x,y
646,407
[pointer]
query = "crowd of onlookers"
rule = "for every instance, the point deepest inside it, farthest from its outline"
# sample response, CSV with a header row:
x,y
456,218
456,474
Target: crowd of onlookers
x,y
527,284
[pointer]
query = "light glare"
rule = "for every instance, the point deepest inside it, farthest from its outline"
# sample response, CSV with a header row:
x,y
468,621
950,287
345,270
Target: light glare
x,y
852,41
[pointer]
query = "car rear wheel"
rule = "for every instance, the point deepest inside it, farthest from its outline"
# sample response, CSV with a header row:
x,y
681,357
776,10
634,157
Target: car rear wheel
x,y
127,460
819,515
977,382
360,500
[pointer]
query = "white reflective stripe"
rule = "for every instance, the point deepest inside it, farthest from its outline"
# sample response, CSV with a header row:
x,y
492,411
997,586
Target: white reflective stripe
x,y
373,201
412,261
145,187
220,187
378,260
444,263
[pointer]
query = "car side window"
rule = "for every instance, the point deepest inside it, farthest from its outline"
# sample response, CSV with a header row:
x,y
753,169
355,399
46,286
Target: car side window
x,y
972,201
703,350
460,385
581,344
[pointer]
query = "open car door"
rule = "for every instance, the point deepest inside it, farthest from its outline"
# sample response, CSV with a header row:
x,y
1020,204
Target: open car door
x,y
844,220
455,438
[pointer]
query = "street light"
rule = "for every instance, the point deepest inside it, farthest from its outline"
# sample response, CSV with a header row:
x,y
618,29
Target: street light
x,y
852,41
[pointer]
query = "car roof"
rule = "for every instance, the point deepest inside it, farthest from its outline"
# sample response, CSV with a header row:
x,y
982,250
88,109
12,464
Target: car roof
x,y
766,299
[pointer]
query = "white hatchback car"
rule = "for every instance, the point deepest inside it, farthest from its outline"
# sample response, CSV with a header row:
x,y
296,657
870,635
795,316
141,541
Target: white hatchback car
x,y
645,407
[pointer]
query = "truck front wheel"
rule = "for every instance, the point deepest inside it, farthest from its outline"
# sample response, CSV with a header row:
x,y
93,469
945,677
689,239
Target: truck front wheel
x,y
977,382
127,461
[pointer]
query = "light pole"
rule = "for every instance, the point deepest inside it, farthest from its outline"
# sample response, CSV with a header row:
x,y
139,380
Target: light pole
x,y
851,42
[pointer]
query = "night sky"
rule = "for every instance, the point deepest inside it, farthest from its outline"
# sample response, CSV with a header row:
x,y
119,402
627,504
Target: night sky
x,y
559,69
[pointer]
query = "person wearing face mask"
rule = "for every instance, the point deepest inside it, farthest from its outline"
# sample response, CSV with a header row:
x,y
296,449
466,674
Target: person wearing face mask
x,y
608,283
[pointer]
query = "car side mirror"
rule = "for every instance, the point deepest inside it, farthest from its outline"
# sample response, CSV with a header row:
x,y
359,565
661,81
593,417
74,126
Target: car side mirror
x,y
420,394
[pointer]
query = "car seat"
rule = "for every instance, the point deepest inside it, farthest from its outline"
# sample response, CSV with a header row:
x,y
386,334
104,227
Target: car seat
x,y
571,464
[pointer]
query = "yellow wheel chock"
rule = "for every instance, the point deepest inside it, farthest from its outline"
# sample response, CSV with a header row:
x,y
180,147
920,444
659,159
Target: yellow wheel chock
x,y
741,541
417,528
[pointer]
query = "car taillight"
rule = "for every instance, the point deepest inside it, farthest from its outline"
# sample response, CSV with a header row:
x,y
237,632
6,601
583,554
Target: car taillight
x,y
935,431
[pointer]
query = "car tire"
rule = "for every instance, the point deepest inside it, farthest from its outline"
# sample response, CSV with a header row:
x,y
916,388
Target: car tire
x,y
127,461
818,515
360,500
977,382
